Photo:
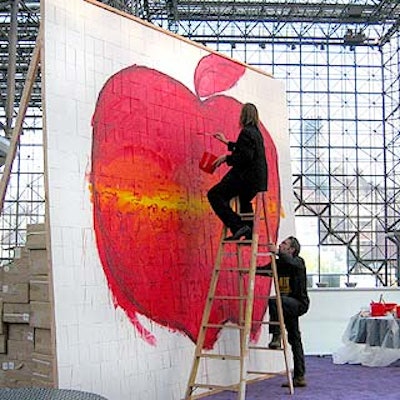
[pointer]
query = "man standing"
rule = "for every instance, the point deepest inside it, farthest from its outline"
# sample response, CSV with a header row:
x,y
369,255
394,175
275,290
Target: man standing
x,y
295,302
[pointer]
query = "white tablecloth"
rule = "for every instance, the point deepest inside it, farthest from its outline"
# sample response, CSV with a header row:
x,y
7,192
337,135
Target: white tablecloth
x,y
370,341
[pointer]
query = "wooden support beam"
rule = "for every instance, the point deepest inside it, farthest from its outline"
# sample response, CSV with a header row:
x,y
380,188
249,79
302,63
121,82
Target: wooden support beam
x,y
16,131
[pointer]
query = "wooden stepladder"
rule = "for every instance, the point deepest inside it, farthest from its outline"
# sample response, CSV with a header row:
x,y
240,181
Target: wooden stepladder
x,y
246,271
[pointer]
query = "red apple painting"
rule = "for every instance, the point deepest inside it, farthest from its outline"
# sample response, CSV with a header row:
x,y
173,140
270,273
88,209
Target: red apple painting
x,y
155,232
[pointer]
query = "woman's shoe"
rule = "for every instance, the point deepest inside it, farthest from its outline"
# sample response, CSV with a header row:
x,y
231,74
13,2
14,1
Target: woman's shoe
x,y
245,231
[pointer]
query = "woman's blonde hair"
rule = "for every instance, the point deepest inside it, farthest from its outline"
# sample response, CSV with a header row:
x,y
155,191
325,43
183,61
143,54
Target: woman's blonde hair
x,y
249,115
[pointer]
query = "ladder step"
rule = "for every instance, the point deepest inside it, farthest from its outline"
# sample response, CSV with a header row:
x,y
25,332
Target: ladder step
x,y
254,322
243,269
250,216
233,269
239,325
220,356
248,242
230,297
269,374
223,326
244,297
276,323
245,242
264,348
246,215
234,387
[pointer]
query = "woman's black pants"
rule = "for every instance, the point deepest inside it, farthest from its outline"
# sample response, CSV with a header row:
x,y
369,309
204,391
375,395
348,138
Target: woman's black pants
x,y
223,192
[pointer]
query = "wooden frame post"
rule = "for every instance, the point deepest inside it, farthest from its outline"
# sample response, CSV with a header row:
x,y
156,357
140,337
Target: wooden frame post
x,y
16,131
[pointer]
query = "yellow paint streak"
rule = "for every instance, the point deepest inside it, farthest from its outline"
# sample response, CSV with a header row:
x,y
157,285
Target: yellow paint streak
x,y
127,201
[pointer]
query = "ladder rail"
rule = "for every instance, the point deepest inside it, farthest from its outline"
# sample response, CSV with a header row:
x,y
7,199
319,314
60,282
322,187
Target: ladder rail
x,y
281,321
205,318
279,306
246,297
249,304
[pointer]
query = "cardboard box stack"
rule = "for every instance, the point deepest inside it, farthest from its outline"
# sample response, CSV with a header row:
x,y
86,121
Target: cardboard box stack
x,y
26,349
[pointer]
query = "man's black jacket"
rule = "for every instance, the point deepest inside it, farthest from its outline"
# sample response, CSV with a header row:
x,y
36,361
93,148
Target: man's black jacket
x,y
292,278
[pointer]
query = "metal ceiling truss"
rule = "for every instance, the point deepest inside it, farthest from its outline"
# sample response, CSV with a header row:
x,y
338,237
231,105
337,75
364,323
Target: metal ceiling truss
x,y
27,26
270,21
354,208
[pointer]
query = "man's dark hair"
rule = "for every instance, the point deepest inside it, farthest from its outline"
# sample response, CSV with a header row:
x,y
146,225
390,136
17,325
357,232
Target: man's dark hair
x,y
294,244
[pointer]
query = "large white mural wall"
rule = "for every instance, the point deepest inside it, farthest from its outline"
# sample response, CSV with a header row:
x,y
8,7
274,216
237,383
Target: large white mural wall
x,y
128,112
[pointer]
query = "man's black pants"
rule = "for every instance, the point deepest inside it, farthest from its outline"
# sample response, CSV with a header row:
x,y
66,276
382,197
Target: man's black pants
x,y
292,310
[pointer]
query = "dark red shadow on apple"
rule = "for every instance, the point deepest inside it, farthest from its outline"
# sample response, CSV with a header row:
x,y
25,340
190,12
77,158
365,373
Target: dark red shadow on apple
x,y
156,234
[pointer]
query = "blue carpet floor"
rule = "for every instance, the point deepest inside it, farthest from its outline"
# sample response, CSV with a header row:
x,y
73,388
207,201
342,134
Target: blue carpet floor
x,y
328,381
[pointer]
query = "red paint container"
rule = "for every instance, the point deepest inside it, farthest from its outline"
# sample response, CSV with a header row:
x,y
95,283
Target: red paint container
x,y
381,309
378,309
206,162
390,307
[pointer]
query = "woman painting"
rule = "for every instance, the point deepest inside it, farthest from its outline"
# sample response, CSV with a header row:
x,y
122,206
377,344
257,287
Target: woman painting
x,y
247,176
